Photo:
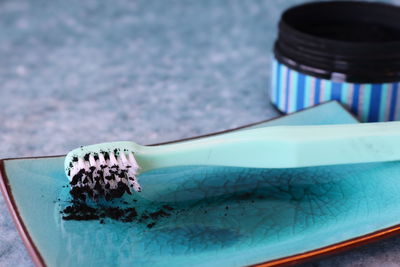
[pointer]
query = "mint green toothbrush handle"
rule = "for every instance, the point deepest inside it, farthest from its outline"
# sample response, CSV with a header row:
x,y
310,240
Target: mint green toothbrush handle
x,y
282,147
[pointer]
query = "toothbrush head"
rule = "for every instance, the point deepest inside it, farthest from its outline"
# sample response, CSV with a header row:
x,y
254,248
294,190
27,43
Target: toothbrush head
x,y
107,170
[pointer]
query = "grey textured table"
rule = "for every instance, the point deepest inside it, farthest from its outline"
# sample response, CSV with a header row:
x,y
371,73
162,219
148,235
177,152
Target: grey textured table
x,y
80,72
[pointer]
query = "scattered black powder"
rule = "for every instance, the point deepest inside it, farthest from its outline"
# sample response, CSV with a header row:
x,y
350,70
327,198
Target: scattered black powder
x,y
244,196
130,214
144,217
158,214
80,211
150,225
167,207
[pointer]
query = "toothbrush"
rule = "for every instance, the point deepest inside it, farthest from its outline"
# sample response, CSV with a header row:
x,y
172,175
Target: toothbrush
x,y
111,169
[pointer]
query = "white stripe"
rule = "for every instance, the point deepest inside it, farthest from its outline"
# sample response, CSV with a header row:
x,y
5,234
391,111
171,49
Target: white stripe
x,y
388,101
360,101
291,91
322,91
282,101
350,93
312,84
396,114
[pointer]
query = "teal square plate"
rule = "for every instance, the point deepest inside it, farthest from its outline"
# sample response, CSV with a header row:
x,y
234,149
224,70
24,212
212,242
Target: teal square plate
x,y
218,216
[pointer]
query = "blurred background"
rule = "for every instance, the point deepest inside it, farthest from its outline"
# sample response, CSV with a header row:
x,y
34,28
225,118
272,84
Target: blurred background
x,y
82,72
79,72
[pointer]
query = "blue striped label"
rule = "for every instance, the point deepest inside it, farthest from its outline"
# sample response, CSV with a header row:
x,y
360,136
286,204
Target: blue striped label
x,y
293,91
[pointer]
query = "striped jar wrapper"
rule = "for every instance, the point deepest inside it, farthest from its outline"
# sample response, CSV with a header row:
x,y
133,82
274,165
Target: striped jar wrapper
x,y
371,102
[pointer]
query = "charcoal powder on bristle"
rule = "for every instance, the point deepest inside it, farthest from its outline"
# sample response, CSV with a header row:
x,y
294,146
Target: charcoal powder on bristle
x,y
99,182
124,188
77,177
78,193
116,192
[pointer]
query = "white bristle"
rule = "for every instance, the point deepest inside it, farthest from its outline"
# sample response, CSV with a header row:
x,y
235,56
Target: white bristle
x,y
132,161
87,165
113,184
113,160
121,163
102,161
131,173
92,161
137,187
81,163
106,170
123,158
74,169
133,180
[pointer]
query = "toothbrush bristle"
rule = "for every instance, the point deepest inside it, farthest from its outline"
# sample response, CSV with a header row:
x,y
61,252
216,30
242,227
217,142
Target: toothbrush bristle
x,y
109,174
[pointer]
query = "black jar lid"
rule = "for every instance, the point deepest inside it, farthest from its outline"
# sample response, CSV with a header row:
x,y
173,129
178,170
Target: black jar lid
x,y
344,41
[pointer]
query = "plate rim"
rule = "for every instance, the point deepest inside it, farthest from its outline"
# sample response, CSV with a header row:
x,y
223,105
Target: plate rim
x,y
38,260
6,190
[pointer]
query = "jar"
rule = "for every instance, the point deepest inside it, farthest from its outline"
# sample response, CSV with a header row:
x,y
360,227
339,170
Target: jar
x,y
343,51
